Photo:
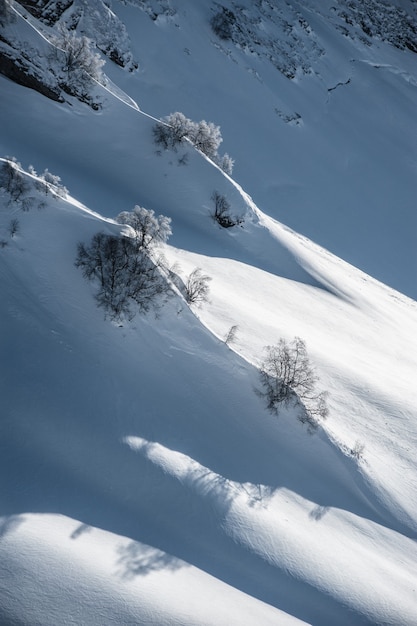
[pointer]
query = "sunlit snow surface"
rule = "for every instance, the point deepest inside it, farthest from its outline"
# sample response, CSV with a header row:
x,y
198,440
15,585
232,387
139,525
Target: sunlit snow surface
x,y
142,481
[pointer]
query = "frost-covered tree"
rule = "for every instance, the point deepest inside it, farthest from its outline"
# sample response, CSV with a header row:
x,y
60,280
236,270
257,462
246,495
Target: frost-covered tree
x,y
149,229
226,163
51,183
287,378
79,65
180,127
206,137
51,179
172,130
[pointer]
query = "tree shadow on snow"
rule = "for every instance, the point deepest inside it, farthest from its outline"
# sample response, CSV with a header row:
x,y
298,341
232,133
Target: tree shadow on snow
x,y
137,559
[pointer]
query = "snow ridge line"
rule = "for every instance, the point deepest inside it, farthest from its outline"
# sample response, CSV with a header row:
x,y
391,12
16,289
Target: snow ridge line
x,y
123,97
67,198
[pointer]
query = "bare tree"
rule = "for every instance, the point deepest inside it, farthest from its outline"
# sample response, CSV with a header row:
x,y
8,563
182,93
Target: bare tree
x,y
130,276
12,179
222,211
196,287
129,280
288,378
231,334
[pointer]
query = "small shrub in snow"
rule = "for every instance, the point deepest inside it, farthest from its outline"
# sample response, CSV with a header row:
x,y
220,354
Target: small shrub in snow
x,y
231,334
14,227
196,287
27,203
358,450
287,378
222,211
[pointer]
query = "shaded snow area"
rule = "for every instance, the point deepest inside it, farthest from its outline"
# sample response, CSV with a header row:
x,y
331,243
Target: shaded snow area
x,y
142,478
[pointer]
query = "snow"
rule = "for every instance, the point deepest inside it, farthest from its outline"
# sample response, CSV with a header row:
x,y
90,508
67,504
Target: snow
x,y
142,480
117,580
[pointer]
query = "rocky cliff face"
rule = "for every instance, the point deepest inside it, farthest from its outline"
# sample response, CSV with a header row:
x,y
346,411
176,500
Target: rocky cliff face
x,y
33,34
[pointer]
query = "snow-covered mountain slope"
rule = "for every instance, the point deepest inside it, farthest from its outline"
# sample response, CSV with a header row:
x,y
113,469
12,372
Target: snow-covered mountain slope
x,y
142,480
331,152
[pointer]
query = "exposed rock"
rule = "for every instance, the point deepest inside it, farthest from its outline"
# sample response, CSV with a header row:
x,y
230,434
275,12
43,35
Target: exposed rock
x,y
20,72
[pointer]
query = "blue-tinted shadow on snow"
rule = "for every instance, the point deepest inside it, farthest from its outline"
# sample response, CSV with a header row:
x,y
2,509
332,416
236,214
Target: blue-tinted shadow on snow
x,y
198,522
204,439
253,244
137,559
9,524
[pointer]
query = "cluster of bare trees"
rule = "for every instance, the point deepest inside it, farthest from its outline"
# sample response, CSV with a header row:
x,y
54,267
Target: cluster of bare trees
x,y
176,128
17,184
130,273
19,189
